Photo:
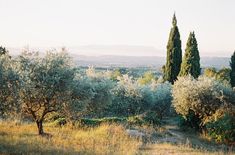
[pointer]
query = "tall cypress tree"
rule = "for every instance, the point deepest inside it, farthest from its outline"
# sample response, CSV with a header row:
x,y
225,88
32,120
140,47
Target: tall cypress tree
x,y
174,54
232,74
191,60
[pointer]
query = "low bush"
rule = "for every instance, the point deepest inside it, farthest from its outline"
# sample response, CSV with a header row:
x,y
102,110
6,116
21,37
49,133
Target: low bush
x,y
136,120
152,118
162,99
222,130
112,120
191,121
127,98
92,122
85,122
148,118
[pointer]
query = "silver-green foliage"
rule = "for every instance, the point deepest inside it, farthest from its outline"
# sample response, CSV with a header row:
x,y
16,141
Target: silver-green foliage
x,y
94,91
126,97
46,83
203,96
162,98
131,98
9,84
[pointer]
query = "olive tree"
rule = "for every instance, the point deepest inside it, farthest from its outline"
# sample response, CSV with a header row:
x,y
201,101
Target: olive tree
x,y
46,84
9,84
203,97
127,98
162,98
95,95
132,98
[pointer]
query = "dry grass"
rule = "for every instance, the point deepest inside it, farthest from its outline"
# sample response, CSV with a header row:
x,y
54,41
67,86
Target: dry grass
x,y
105,139
171,149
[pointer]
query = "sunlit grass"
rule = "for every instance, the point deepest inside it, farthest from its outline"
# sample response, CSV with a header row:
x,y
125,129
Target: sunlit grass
x,y
182,149
22,138
105,139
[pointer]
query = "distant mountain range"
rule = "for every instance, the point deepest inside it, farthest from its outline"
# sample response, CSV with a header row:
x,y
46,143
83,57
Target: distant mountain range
x,y
121,56
141,61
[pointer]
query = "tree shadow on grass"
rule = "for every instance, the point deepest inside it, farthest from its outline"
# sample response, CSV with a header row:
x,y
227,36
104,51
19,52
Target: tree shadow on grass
x,y
21,147
190,138
195,141
27,149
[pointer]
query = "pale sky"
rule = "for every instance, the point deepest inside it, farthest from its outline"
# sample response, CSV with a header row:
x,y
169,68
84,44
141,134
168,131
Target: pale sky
x,y
71,23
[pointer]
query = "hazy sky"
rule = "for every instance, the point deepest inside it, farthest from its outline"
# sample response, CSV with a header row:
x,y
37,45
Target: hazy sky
x,y
53,23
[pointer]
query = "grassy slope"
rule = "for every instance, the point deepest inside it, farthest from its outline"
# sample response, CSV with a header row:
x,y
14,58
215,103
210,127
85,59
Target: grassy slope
x,y
108,139
105,139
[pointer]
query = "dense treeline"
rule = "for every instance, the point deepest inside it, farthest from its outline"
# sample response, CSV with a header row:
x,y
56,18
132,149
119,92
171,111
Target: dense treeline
x,y
35,87
40,88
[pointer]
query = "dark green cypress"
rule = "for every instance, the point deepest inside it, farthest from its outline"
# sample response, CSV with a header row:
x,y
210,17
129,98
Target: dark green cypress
x,y
174,54
191,60
232,74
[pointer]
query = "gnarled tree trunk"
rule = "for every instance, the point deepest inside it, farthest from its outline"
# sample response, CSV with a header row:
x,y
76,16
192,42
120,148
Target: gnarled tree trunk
x,y
40,127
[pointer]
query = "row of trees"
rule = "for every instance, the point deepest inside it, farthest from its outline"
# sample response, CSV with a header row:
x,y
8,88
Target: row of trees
x,y
190,65
37,86
174,64
34,87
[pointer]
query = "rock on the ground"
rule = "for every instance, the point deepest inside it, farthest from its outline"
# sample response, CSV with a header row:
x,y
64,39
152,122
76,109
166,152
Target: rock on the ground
x,y
135,133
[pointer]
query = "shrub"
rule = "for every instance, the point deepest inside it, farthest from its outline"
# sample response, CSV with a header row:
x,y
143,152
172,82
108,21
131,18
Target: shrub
x,y
112,120
135,120
91,122
203,97
222,130
115,75
85,122
222,75
162,98
127,98
9,86
147,78
191,120
101,96
148,118
94,94
130,98
151,117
